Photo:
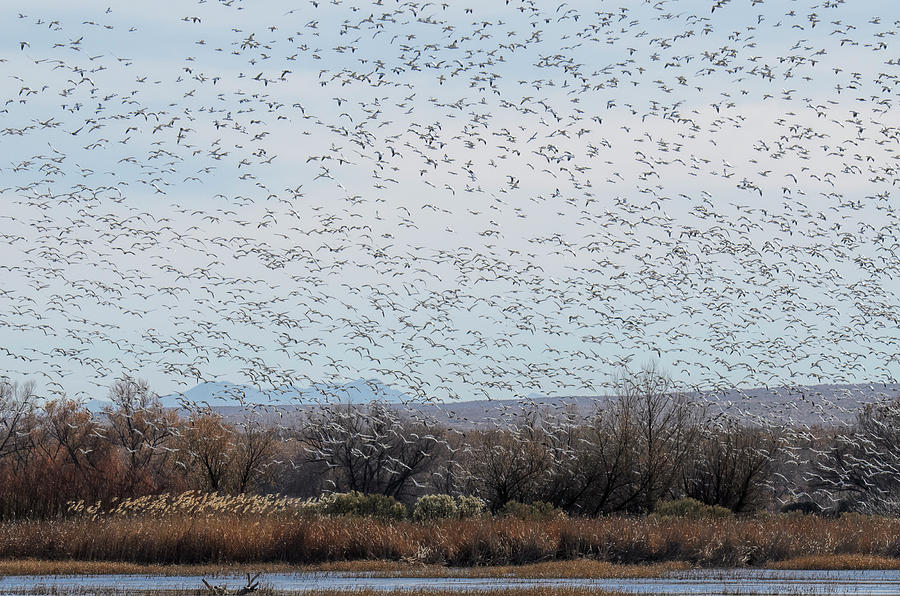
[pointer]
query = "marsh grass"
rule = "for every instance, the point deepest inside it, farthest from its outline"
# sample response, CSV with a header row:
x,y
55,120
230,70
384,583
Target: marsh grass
x,y
75,567
196,503
840,562
197,529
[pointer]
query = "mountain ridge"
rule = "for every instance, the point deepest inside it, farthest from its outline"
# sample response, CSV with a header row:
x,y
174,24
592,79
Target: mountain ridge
x,y
805,404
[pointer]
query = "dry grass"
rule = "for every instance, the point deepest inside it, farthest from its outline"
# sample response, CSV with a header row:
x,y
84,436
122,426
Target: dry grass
x,y
283,536
74,567
195,503
580,568
848,562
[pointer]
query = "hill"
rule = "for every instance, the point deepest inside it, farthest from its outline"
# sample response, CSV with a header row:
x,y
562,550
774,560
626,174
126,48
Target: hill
x,y
810,405
226,396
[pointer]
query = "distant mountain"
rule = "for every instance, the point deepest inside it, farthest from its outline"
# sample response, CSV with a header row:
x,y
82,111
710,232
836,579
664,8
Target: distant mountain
x,y
223,394
827,404
814,404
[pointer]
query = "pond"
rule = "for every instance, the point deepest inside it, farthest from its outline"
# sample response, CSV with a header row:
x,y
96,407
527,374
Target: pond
x,y
705,581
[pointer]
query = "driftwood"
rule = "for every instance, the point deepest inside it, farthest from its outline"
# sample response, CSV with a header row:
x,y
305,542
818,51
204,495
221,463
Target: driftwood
x,y
252,586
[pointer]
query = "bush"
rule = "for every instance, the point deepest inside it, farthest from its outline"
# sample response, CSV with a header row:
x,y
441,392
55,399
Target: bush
x,y
435,507
691,509
537,511
469,506
357,504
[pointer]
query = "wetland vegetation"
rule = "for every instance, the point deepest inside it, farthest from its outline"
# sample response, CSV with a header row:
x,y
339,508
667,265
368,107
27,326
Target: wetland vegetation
x,y
203,529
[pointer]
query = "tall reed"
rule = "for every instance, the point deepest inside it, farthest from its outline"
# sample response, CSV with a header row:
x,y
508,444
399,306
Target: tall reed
x,y
193,531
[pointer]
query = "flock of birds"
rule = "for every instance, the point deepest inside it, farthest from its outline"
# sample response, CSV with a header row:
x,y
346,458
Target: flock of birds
x,y
463,200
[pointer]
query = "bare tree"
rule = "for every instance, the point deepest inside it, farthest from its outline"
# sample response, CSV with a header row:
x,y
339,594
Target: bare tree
x,y
370,449
254,447
16,403
663,427
509,464
144,430
860,469
732,467
604,464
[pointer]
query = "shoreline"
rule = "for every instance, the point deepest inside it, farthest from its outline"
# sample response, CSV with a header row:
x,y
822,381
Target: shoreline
x,y
573,569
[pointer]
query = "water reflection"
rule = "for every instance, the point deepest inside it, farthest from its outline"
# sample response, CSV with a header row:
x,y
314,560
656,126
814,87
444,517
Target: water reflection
x,y
707,581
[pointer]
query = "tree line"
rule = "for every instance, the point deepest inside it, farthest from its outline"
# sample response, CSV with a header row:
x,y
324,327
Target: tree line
x,y
646,445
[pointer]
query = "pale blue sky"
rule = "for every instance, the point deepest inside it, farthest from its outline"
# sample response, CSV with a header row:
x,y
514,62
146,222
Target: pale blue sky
x,y
462,204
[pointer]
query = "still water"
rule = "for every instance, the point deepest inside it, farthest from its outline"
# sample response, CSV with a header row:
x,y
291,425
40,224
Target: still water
x,y
706,581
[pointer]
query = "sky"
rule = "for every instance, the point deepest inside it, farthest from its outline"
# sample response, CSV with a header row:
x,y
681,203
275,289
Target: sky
x,y
463,200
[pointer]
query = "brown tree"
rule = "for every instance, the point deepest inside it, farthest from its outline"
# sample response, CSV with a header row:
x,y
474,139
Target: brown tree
x,y
206,444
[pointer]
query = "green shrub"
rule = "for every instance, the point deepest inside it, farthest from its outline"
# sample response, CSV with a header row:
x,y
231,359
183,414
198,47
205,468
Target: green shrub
x,y
435,507
441,506
468,506
537,511
691,508
358,504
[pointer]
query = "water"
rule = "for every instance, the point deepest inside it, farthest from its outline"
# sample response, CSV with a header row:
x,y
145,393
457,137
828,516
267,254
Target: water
x,y
707,581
